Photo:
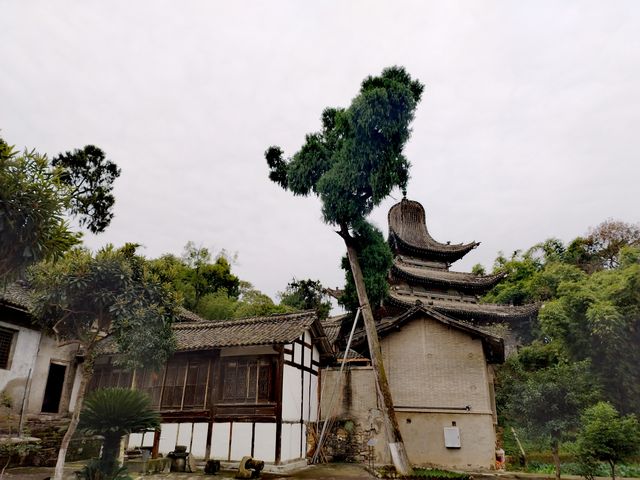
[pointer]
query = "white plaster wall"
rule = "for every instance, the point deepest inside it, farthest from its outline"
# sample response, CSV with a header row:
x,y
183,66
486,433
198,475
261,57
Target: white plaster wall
x,y
220,441
306,381
135,440
49,352
297,353
308,351
240,440
315,391
168,437
291,393
285,442
13,381
184,434
199,440
265,442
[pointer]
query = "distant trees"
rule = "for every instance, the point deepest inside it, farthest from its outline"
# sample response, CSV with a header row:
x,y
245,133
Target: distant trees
x,y
589,320
196,274
36,195
306,295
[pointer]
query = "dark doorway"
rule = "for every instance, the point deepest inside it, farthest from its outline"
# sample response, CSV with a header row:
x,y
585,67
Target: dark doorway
x,y
53,390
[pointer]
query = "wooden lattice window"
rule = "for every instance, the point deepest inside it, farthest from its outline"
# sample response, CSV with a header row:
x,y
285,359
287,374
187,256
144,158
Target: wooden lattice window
x,y
6,347
150,382
248,380
110,376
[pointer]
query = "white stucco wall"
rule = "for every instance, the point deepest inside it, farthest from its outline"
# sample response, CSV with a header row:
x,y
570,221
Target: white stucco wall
x,y
13,381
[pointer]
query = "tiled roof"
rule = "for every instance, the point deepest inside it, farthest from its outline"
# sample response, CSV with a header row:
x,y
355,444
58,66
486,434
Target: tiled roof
x,y
468,311
16,295
408,231
445,278
332,327
274,329
493,345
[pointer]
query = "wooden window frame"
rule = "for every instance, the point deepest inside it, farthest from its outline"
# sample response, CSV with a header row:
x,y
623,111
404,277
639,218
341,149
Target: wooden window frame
x,y
8,338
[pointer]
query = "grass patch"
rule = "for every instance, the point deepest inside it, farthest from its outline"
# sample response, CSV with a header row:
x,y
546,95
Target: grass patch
x,y
572,468
420,473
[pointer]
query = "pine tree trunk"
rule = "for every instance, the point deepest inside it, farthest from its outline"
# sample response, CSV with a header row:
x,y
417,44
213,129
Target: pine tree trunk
x,y
75,418
396,445
555,453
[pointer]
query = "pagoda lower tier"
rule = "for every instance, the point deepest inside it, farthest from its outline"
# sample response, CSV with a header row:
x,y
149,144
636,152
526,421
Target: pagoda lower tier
x,y
460,307
410,271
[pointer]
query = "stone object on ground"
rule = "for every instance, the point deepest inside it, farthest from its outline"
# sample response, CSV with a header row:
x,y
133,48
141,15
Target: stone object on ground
x,y
212,467
249,468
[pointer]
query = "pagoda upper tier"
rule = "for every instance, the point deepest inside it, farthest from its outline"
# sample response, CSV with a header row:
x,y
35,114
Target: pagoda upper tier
x,y
408,234
413,272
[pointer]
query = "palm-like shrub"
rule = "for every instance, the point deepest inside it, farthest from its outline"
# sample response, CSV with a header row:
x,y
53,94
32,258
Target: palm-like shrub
x,y
113,413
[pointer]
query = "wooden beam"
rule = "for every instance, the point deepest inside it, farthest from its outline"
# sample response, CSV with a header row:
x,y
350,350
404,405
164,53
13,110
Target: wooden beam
x,y
279,380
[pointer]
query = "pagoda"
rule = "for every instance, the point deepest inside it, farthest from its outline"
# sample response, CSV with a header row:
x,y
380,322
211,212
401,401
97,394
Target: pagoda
x,y
421,275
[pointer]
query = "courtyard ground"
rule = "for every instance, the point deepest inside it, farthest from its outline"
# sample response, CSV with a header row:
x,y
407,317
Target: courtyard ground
x,y
332,471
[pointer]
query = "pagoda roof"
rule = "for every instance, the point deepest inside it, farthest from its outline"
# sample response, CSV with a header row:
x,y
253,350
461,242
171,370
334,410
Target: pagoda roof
x,y
493,345
468,282
475,312
408,232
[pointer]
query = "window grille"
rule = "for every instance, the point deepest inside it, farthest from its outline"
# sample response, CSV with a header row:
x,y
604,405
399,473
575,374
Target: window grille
x,y
6,342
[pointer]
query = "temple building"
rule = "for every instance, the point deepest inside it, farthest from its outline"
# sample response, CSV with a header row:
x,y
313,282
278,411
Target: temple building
x,y
439,345
421,275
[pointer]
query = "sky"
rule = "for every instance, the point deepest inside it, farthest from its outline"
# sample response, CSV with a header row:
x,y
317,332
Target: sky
x,y
529,126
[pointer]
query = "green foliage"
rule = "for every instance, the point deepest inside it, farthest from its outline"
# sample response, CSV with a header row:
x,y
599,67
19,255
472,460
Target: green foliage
x,y
250,303
90,176
32,207
35,196
427,473
94,470
606,436
306,295
356,159
117,411
113,413
546,395
197,275
84,298
375,259
597,317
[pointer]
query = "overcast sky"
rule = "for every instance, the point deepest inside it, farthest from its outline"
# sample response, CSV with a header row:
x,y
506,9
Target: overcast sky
x,y
529,126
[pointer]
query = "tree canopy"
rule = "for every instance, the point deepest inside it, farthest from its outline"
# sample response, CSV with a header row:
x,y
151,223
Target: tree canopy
x,y
356,159
607,436
306,295
36,195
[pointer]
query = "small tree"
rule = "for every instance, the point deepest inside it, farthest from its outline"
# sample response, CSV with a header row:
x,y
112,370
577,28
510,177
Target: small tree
x,y
110,297
113,413
352,164
608,437
547,401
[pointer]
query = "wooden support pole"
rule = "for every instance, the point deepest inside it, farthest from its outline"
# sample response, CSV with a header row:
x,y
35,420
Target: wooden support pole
x,y
396,445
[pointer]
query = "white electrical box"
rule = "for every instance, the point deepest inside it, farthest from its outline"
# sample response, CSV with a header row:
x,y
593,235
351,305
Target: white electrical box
x,y
452,437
